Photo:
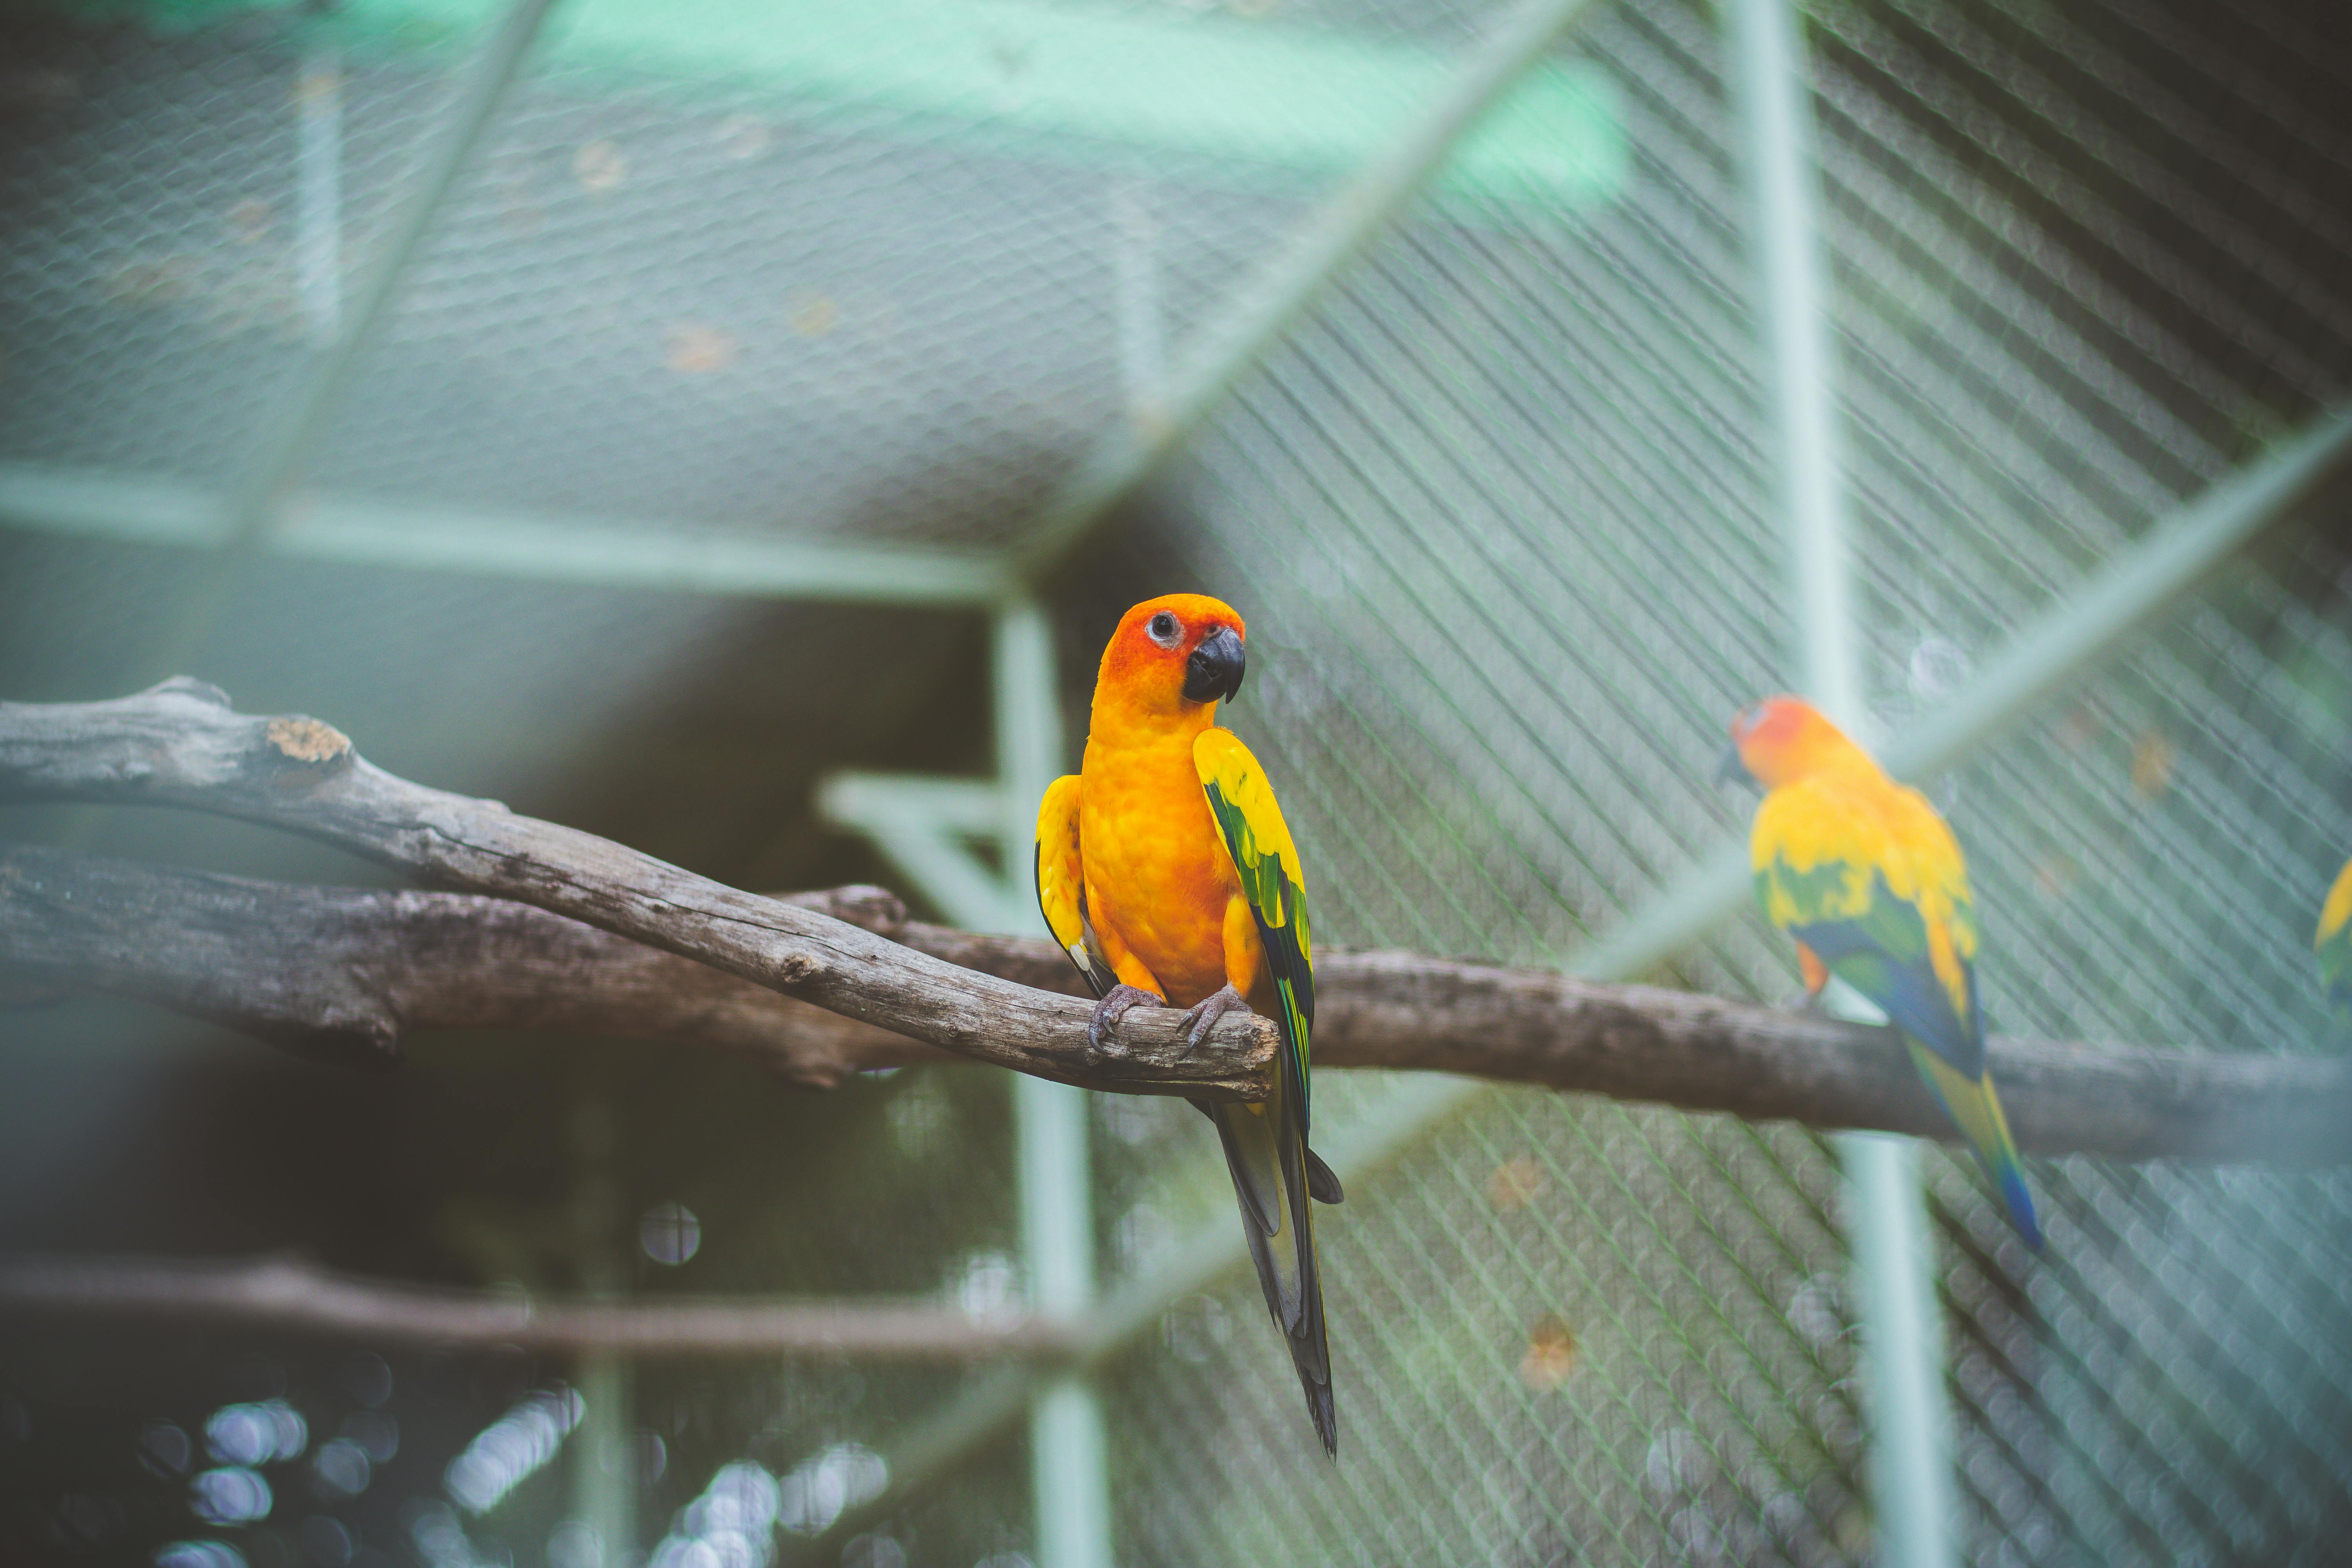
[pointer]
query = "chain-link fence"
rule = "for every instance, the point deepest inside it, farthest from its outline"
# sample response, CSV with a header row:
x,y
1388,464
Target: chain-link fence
x,y
1500,515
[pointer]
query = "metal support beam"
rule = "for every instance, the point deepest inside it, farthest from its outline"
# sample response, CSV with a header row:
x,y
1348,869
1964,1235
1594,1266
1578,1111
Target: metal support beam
x,y
604,1485
625,552
1793,317
289,438
926,827
2166,561
1098,84
292,438
318,194
1886,1222
1069,1479
2170,560
2173,557
1263,309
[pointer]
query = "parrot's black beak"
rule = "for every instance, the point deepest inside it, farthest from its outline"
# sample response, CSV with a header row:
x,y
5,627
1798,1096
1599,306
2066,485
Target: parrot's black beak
x,y
1215,668
1731,768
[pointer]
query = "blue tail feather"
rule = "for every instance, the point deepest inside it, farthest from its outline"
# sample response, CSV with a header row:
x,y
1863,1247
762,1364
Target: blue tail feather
x,y
2021,1205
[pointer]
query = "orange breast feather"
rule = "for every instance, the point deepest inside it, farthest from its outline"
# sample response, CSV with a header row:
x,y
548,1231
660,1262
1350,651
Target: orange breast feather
x,y
1159,880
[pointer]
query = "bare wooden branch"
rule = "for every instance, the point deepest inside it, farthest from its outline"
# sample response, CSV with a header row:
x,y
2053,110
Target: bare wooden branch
x,y
297,1297
1702,1053
180,745
346,973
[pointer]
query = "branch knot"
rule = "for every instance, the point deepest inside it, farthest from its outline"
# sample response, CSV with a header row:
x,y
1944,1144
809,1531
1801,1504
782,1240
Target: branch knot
x,y
310,742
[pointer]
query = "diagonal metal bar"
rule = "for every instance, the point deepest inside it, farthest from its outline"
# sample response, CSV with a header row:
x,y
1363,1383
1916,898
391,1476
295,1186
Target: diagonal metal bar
x,y
2169,561
293,438
1263,309
923,826
251,513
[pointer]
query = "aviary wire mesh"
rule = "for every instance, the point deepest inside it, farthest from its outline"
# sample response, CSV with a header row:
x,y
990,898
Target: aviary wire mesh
x,y
1500,516
1503,512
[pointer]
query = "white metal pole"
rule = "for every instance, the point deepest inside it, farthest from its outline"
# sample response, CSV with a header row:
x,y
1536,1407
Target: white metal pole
x,y
1142,330
1910,1417
2174,556
319,245
604,1477
1069,1484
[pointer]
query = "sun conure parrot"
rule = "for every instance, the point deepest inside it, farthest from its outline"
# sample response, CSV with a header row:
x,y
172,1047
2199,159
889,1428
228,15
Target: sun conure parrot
x,y
1166,873
2334,942
1868,879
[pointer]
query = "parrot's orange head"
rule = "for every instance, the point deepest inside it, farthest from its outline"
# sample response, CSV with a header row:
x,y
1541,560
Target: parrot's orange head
x,y
1783,738
1174,655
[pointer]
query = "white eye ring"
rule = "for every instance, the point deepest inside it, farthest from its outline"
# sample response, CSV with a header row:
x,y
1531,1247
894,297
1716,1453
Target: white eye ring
x,y
1163,629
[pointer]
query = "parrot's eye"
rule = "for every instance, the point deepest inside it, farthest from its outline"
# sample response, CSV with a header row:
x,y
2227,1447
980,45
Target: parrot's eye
x,y
1162,629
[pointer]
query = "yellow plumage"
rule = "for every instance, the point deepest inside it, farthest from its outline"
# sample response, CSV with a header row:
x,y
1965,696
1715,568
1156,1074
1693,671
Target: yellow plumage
x,y
1166,871
1866,829
1866,875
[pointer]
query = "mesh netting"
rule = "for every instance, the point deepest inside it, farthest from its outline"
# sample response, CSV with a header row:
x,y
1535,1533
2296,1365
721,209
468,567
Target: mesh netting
x,y
1504,504
1501,516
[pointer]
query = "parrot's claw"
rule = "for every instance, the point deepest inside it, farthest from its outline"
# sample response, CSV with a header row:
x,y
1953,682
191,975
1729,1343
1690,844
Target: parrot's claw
x,y
1118,1003
1202,1016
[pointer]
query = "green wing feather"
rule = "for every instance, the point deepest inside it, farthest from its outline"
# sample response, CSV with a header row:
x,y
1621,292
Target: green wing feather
x,y
1867,875
1869,878
1877,943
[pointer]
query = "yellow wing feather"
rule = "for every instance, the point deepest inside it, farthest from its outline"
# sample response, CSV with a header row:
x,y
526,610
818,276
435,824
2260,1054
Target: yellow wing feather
x,y
2336,912
2333,942
1061,880
1840,836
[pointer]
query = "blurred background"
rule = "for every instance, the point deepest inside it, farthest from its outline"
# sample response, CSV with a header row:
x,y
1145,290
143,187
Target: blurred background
x,y
768,377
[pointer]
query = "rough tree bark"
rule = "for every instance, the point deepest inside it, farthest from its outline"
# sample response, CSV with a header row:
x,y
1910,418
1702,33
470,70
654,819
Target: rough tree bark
x,y
180,743
346,973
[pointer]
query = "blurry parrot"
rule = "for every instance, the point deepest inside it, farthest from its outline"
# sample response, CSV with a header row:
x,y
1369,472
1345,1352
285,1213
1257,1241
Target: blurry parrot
x,y
2334,942
1868,879
1165,871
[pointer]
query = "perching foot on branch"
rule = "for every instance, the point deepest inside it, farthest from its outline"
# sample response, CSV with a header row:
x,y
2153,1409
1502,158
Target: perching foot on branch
x,y
1202,1016
182,745
617,942
1118,1003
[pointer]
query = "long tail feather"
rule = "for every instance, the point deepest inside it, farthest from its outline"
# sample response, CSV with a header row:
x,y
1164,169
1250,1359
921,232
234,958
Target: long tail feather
x,y
1284,1253
1973,1105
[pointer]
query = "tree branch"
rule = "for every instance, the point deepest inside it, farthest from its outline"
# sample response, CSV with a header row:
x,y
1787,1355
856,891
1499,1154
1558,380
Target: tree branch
x,y
180,745
279,1293
346,973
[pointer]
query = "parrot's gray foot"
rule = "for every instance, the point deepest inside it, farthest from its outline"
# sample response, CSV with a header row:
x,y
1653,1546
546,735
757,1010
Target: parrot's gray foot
x,y
1118,1003
1202,1016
